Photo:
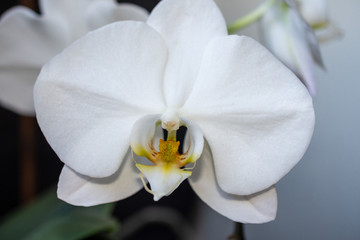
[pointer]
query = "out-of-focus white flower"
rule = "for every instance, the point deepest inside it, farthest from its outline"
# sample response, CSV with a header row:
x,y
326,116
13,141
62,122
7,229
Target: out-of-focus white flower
x,y
249,118
291,39
315,12
29,40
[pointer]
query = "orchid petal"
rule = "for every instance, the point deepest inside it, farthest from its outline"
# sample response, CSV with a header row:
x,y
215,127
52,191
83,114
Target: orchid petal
x,y
257,208
289,37
101,13
81,190
163,180
330,32
196,23
260,123
71,15
142,135
305,48
29,40
194,141
276,37
315,12
87,113
18,65
313,43
54,7
36,34
300,29
81,16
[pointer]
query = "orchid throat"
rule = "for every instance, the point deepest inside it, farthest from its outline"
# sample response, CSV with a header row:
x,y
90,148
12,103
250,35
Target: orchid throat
x,y
169,167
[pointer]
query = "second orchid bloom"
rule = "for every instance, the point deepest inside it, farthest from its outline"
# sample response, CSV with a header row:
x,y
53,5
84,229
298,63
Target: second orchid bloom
x,y
292,40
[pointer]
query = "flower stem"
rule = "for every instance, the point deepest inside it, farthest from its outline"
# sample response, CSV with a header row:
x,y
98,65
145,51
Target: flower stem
x,y
27,126
27,135
32,4
238,232
250,17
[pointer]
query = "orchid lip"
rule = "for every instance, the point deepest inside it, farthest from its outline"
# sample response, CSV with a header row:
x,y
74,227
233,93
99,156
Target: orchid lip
x,y
163,179
168,171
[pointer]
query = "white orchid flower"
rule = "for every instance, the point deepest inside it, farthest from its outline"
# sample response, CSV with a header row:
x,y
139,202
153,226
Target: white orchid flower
x,y
249,118
291,39
29,40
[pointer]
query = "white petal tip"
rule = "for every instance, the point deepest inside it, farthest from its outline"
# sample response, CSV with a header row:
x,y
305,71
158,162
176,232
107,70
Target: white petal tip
x,y
157,198
163,179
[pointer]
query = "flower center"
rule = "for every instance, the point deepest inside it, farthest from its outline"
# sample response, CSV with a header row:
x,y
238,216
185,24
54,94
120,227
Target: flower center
x,y
168,154
169,167
167,172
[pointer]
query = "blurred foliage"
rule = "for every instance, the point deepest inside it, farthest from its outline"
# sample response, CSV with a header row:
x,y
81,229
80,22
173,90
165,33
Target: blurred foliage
x,y
52,219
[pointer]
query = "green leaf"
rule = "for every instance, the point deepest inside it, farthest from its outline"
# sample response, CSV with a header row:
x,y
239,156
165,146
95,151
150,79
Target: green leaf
x,y
76,225
46,210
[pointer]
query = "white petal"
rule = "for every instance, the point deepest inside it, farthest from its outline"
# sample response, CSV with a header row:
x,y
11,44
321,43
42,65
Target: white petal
x,y
54,7
313,43
331,31
257,208
26,43
276,36
71,15
88,97
315,12
142,135
288,37
256,115
101,13
305,48
194,142
163,179
187,26
26,40
81,190
79,17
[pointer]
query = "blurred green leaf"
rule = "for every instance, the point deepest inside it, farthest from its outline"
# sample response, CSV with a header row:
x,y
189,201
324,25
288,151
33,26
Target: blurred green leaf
x,y
48,214
78,224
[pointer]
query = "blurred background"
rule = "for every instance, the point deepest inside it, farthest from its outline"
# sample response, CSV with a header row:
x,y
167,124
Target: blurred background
x,y
318,199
